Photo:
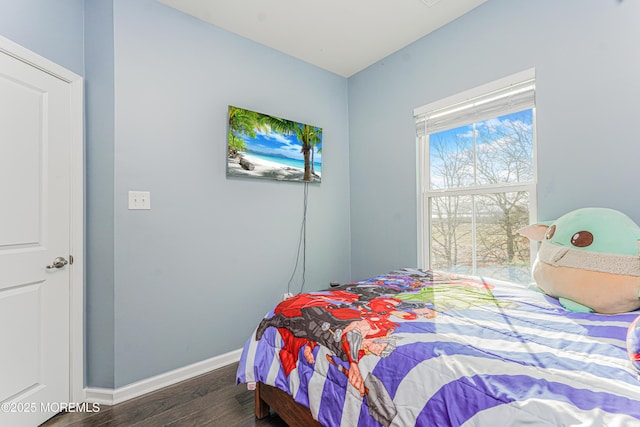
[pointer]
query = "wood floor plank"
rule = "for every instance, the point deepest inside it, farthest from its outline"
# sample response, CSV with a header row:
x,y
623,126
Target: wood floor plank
x,y
212,399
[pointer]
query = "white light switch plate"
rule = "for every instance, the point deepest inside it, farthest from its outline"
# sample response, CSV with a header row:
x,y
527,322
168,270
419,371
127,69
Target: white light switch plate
x,y
139,200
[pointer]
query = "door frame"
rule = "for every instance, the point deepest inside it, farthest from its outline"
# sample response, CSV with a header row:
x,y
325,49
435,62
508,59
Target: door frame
x,y
76,238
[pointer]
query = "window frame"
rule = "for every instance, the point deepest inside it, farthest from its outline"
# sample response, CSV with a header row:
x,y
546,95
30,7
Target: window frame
x,y
425,192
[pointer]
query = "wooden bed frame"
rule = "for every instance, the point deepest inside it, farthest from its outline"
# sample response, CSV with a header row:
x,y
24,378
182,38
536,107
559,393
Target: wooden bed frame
x,y
291,412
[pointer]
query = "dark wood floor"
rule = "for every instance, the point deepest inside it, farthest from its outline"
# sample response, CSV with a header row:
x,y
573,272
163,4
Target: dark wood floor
x,y
211,399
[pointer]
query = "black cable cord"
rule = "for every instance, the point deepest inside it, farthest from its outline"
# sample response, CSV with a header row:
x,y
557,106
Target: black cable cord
x,y
302,243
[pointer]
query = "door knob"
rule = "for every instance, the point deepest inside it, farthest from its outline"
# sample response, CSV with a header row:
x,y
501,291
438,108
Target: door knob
x,y
58,263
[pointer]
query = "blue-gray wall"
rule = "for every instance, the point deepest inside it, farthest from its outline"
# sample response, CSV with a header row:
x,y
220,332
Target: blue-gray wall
x,y
194,275
587,63
100,180
52,29
189,279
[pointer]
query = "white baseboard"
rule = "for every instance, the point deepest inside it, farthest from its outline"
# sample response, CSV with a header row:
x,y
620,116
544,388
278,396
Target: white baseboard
x,y
106,396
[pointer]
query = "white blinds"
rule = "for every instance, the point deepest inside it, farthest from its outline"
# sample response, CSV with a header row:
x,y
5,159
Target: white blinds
x,y
516,96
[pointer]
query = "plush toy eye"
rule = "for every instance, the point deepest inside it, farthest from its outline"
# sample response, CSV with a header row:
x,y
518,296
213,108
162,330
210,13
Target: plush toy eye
x,y
550,232
582,239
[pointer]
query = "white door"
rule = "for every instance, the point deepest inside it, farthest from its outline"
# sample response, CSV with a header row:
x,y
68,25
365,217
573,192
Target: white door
x,y
35,214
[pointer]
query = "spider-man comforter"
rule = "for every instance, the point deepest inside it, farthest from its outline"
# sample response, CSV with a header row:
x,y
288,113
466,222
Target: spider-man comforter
x,y
431,349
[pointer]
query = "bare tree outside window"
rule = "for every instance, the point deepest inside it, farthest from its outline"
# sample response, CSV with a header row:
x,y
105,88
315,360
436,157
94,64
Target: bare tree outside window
x,y
476,202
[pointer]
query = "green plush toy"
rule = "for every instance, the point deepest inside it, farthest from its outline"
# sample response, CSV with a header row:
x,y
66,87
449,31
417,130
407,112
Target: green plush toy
x,y
590,260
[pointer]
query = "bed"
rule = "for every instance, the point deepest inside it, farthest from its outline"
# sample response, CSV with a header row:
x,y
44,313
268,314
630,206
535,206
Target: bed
x,y
416,347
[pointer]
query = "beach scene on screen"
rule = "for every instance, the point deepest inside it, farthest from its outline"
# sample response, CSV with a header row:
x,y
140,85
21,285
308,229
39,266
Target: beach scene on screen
x,y
264,146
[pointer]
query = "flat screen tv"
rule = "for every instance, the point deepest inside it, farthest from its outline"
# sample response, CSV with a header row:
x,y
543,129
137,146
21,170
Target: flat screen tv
x,y
268,147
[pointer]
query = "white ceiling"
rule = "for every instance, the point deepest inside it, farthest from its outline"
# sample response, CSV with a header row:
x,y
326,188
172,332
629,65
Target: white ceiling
x,y
342,36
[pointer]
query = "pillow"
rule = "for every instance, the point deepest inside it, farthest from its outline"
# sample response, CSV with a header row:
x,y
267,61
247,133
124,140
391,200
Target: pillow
x,y
633,343
589,259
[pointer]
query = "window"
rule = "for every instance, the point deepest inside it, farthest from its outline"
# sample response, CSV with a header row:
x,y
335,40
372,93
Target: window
x,y
477,183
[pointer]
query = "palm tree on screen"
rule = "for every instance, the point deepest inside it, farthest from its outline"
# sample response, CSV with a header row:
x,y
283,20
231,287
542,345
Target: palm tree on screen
x,y
242,122
309,136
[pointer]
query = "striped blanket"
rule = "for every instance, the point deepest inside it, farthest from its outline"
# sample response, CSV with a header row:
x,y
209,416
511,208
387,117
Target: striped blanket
x,y
424,348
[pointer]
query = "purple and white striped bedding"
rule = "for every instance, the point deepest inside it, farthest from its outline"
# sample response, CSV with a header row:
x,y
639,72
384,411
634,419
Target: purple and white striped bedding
x,y
435,349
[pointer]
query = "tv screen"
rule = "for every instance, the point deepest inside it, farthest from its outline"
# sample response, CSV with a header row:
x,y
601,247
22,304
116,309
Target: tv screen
x,y
268,147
